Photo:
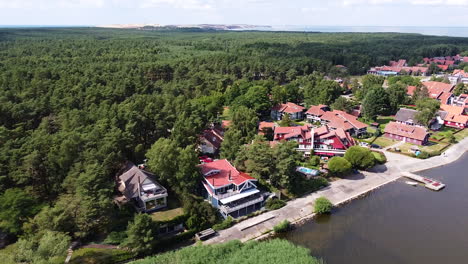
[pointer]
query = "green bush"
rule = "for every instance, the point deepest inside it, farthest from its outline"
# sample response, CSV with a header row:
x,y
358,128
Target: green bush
x,y
322,206
100,255
339,166
282,227
423,155
228,222
115,238
380,157
314,161
274,204
360,158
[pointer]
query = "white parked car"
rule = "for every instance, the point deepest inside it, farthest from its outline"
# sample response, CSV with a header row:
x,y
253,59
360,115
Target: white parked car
x,y
364,144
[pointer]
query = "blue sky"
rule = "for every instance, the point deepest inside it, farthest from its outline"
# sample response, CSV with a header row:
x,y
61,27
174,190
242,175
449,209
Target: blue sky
x,y
258,12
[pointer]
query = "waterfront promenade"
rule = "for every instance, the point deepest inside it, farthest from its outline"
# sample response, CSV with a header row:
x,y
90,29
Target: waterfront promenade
x,y
337,192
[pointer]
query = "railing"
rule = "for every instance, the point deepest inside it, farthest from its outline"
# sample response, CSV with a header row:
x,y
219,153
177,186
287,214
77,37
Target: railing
x,y
148,196
227,209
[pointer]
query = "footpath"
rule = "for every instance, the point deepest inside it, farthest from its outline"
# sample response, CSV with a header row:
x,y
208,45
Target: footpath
x,y
338,192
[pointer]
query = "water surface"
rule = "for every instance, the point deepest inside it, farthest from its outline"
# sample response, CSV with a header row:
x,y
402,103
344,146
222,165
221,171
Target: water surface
x,y
398,223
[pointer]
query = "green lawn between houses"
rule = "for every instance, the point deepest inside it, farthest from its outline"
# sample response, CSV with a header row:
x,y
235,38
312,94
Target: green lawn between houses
x,y
172,211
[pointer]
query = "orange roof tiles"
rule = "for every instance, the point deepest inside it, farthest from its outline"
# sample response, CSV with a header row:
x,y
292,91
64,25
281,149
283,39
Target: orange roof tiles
x,y
436,88
289,108
400,129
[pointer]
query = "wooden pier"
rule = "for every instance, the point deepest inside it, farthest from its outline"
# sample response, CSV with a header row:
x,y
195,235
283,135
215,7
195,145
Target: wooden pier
x,y
428,183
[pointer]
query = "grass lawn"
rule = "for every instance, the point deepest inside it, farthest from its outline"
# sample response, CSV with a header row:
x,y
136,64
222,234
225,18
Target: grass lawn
x,y
100,256
434,147
384,142
173,210
461,135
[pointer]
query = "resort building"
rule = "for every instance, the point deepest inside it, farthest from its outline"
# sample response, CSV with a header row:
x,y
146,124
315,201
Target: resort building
x,y
315,112
232,192
210,141
438,90
295,112
458,76
461,101
264,127
322,141
141,189
337,119
406,133
455,116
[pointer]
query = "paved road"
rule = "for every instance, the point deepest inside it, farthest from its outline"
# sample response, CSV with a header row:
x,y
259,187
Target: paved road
x,y
338,192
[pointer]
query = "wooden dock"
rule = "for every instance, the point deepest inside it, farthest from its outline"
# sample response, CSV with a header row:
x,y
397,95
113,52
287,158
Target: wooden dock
x,y
428,183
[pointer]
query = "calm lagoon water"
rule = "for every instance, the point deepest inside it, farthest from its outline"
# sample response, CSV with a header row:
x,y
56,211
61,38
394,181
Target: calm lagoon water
x,y
398,223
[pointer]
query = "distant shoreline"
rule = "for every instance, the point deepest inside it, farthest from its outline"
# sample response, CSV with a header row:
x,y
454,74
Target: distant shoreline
x,y
423,30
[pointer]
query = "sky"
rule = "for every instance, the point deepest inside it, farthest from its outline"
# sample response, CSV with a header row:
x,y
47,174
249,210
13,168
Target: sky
x,y
444,13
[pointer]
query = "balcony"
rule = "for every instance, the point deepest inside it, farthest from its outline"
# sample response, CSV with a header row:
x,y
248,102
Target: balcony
x,y
153,194
237,205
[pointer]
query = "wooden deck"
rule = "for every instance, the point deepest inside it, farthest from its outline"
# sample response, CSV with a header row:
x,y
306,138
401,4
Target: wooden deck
x,y
428,183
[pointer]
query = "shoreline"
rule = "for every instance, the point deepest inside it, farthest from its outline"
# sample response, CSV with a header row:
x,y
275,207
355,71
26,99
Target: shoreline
x,y
339,192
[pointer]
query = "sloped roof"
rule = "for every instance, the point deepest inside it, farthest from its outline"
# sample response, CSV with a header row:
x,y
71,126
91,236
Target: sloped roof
x,y
341,119
213,137
317,110
435,89
221,170
288,107
454,114
405,115
414,132
134,178
444,97
410,90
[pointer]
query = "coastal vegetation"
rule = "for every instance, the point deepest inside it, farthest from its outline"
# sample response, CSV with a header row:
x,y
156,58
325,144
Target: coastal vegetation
x,y
282,227
272,251
322,206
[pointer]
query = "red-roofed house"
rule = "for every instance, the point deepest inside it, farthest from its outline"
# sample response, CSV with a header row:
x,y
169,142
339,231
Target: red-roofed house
x,y
458,76
455,116
232,192
436,89
322,140
406,133
263,127
339,119
316,111
295,111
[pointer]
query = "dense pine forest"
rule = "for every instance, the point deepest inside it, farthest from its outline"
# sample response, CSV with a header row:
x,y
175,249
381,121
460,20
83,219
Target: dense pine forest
x,y
75,104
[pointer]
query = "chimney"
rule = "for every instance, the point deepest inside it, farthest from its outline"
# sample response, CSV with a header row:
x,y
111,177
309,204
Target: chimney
x,y
230,178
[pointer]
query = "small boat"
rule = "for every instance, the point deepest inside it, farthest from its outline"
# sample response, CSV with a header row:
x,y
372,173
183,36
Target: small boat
x,y
412,183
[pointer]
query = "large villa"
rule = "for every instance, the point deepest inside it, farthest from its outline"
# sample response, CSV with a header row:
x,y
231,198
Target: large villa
x,y
232,192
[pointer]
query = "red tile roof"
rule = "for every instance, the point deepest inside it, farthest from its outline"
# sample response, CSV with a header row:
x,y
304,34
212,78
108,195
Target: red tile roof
x,y
410,90
316,110
264,125
220,174
461,73
443,67
291,132
340,119
436,88
444,97
404,130
289,108
454,114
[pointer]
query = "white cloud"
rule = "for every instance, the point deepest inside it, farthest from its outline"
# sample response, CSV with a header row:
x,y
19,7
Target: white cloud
x,y
406,2
183,4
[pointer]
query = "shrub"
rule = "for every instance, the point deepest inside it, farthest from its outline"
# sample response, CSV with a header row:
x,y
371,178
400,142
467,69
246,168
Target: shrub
x,y
115,238
273,204
360,158
282,227
322,206
423,155
380,157
314,161
339,166
228,222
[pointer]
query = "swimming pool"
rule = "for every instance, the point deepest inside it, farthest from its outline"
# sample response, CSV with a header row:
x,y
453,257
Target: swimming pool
x,y
307,171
